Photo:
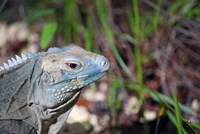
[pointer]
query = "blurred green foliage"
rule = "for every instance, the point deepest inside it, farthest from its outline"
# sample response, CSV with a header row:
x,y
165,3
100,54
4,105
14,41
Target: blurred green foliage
x,y
84,22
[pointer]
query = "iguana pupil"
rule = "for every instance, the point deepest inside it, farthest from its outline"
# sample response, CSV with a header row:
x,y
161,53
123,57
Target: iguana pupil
x,y
72,65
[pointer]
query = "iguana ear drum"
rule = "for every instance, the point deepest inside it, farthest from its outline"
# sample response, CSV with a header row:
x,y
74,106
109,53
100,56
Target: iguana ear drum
x,y
46,78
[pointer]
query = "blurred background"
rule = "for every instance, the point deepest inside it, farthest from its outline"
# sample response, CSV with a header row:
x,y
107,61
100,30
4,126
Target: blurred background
x,y
153,86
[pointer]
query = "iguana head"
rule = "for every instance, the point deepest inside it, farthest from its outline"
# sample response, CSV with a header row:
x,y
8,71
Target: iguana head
x,y
66,71
44,86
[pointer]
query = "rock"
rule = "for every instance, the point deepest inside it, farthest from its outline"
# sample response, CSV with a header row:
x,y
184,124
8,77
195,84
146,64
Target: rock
x,y
132,106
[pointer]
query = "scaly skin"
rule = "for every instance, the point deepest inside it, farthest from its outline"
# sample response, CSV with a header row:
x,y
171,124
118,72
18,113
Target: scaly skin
x,y
39,93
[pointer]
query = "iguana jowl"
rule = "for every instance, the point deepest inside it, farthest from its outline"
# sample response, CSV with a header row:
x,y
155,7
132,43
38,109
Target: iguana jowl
x,y
37,91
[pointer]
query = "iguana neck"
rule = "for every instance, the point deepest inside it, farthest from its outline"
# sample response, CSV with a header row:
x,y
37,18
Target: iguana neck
x,y
16,89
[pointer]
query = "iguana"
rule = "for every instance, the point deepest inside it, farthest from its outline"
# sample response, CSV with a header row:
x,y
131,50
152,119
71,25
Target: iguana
x,y
38,91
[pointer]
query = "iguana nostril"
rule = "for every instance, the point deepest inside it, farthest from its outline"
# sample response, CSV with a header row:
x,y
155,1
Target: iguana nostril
x,y
104,64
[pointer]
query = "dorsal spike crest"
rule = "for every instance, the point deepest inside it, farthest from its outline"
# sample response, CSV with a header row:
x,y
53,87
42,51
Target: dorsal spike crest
x,y
6,66
19,60
10,63
1,68
24,57
14,61
31,55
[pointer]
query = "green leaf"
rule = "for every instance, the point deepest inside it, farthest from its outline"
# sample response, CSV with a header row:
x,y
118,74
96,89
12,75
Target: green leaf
x,y
48,32
88,33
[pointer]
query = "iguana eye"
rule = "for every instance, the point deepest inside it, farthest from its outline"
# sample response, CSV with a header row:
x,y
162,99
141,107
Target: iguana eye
x,y
73,65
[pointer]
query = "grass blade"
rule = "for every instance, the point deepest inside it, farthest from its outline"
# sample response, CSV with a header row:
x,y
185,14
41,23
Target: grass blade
x,y
173,120
110,35
179,123
160,98
40,13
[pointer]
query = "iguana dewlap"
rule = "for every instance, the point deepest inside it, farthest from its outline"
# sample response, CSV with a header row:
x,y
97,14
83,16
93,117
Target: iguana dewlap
x,y
37,91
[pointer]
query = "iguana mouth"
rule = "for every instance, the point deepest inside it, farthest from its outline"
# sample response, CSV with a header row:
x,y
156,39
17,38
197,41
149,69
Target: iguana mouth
x,y
62,90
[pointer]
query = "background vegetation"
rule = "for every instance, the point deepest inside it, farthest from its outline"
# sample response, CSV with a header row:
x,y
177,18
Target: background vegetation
x,y
153,47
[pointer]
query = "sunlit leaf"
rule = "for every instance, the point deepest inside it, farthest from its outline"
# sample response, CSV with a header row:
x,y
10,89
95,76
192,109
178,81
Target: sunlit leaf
x,y
47,34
